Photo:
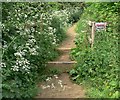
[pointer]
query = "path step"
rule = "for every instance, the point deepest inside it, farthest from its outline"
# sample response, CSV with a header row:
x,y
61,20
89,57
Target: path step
x,y
62,62
64,49
63,66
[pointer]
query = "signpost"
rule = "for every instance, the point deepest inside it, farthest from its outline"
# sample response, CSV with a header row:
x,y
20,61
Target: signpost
x,y
96,26
92,34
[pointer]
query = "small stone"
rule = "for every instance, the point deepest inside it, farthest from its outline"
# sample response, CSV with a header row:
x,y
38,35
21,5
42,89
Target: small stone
x,y
64,88
59,81
52,86
43,87
56,76
48,79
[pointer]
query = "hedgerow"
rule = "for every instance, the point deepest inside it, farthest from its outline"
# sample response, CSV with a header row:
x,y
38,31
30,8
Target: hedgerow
x,y
30,34
98,67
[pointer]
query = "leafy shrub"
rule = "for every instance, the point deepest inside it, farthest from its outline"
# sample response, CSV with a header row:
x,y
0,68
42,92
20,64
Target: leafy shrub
x,y
29,41
26,48
76,16
98,66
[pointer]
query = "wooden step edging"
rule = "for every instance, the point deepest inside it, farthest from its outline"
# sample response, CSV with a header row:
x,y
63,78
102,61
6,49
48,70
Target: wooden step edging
x,y
62,62
63,49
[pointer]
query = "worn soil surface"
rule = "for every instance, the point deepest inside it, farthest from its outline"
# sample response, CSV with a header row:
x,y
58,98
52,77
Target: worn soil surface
x,y
69,41
60,86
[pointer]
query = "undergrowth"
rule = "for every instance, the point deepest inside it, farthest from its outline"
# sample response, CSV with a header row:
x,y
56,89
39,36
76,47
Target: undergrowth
x,y
98,67
30,34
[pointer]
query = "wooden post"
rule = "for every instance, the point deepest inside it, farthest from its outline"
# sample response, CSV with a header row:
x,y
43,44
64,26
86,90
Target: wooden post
x,y
105,26
95,26
92,34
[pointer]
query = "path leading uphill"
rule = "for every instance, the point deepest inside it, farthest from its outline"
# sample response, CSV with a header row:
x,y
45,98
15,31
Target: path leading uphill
x,y
60,86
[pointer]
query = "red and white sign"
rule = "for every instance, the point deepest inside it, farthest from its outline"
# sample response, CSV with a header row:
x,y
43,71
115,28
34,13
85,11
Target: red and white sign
x,y
100,26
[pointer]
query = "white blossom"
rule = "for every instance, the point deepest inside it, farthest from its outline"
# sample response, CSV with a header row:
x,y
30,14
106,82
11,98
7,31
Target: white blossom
x,y
15,68
18,54
25,16
18,19
3,65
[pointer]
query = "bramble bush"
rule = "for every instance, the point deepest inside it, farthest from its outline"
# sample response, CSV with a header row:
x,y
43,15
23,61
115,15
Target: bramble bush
x,y
98,67
30,34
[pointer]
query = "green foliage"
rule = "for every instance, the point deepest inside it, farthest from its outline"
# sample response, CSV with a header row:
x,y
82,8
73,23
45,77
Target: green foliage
x,y
76,16
98,66
60,31
30,34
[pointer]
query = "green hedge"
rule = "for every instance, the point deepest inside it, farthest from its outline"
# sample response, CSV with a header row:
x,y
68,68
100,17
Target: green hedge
x,y
98,67
30,34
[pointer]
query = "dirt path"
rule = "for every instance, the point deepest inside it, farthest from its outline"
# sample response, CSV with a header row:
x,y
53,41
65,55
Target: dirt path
x,y
69,41
61,86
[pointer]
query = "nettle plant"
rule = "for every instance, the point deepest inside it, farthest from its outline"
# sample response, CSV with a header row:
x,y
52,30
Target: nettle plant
x,y
30,34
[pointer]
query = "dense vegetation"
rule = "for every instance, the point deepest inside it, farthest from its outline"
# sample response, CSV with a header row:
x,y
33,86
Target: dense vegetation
x,y
32,31
30,34
98,67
